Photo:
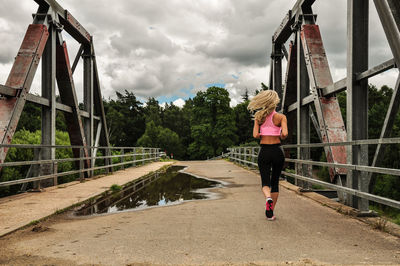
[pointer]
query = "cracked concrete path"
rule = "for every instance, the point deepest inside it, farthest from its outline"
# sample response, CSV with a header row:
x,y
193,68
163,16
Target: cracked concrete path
x,y
228,230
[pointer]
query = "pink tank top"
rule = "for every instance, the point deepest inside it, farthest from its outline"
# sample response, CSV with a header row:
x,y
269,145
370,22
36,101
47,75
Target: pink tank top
x,y
268,128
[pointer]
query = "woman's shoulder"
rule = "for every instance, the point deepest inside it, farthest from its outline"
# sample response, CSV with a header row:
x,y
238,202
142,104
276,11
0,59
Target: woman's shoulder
x,y
279,115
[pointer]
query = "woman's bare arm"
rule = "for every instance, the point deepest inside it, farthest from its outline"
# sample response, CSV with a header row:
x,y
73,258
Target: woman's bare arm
x,y
284,132
256,130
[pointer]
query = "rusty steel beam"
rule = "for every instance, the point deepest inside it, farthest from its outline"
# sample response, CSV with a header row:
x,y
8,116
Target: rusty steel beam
x,y
99,107
388,123
357,96
88,96
277,72
328,111
21,77
99,110
289,89
48,121
71,25
8,91
305,101
284,30
59,106
68,97
389,14
389,64
341,85
77,57
334,88
303,116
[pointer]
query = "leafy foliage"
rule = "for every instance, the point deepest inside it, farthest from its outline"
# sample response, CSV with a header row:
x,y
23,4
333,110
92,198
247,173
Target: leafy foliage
x,y
26,137
212,124
125,119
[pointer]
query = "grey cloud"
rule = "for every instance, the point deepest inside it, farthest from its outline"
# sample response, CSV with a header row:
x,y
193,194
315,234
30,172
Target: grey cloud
x,y
9,50
240,49
155,48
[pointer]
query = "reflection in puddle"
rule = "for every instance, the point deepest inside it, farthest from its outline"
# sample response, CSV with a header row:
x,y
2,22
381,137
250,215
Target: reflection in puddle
x,y
169,188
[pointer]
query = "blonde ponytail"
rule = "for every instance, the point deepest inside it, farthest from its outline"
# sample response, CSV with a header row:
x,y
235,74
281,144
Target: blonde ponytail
x,y
264,103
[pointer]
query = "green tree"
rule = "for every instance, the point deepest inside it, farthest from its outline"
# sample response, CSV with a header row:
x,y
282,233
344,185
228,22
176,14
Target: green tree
x,y
31,118
178,120
244,122
153,111
212,124
164,138
169,141
125,119
21,154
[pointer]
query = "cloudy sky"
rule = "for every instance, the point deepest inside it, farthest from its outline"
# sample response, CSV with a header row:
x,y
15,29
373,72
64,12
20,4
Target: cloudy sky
x,y
171,49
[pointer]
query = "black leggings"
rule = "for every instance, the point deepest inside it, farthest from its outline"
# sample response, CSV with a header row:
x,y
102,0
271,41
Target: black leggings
x,y
271,157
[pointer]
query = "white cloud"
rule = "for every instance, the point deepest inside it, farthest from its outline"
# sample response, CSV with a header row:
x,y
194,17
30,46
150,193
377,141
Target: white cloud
x,y
179,102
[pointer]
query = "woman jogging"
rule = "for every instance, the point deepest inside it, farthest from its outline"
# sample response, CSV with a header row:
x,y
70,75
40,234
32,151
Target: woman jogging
x,y
271,127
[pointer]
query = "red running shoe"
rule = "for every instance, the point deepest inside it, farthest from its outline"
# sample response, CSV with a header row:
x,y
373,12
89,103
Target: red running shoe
x,y
269,209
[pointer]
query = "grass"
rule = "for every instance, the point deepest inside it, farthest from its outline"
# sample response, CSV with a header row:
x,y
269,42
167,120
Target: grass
x,y
380,224
115,188
34,222
316,186
387,213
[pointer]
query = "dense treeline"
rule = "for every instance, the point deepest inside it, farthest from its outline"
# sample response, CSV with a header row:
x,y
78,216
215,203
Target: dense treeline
x,y
204,127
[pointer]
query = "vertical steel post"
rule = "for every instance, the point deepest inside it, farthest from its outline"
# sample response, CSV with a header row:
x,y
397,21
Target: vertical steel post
x,y
55,170
88,96
277,69
357,96
108,160
122,158
34,169
49,113
245,156
252,156
81,163
303,116
134,157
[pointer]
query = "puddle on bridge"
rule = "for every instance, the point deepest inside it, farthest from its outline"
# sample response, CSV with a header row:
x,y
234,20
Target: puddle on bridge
x,y
169,188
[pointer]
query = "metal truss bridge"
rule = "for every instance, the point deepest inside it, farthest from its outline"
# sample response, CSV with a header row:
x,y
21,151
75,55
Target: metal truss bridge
x,y
308,87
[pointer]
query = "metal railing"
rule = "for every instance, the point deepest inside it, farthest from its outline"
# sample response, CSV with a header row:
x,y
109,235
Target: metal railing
x,y
247,156
105,159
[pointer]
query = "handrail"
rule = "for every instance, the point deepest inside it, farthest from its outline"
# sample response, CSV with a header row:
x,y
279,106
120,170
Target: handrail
x,y
128,156
248,155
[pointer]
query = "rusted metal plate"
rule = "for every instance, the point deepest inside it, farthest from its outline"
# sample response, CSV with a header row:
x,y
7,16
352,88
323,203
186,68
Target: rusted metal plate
x,y
312,36
21,77
68,97
28,54
284,30
328,111
74,28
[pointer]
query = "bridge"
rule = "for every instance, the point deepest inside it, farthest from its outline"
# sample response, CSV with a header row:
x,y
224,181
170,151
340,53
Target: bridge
x,y
229,230
310,229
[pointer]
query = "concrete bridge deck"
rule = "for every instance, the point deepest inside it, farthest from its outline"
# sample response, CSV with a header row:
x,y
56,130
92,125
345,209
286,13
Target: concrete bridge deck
x,y
229,230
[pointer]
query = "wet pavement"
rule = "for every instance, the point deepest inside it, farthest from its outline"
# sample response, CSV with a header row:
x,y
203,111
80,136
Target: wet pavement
x,y
160,189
